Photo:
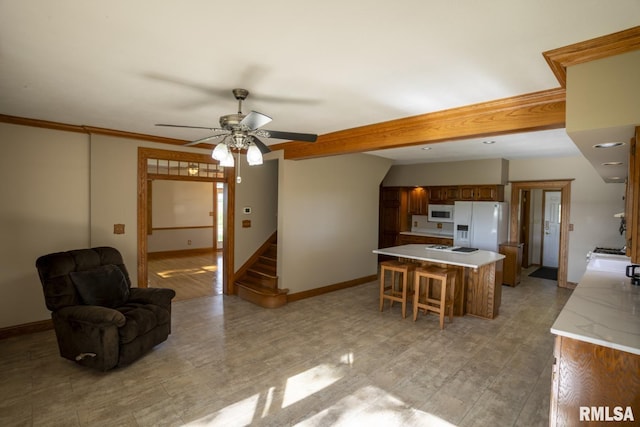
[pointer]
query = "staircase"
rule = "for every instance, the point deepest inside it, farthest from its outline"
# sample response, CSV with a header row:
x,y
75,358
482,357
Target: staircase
x,y
257,281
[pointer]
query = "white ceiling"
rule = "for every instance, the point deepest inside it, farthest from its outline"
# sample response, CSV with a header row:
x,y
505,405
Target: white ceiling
x,y
314,67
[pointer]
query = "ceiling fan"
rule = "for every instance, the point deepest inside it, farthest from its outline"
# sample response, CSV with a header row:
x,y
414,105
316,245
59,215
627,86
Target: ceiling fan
x,y
240,132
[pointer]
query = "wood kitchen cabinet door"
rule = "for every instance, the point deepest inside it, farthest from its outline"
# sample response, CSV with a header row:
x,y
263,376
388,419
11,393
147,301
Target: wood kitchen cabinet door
x,y
590,375
418,201
393,215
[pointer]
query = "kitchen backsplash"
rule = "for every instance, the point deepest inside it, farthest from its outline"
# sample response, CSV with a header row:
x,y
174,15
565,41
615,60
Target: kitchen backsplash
x,y
420,224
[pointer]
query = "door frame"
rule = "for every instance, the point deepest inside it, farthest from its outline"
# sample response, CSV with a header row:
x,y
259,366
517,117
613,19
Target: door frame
x,y
144,154
564,186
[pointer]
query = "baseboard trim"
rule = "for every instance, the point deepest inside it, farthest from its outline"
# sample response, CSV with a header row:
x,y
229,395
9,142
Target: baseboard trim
x,y
181,252
26,328
331,288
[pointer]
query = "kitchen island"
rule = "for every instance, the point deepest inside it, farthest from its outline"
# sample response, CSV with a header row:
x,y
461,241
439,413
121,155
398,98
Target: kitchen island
x,y
478,275
597,348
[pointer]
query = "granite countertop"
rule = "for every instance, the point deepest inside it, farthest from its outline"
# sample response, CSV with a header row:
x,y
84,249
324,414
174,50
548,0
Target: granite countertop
x,y
604,309
420,252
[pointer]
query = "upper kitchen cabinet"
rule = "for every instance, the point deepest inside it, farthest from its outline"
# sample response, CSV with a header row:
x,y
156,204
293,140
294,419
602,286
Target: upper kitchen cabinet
x,y
418,201
443,195
449,194
486,193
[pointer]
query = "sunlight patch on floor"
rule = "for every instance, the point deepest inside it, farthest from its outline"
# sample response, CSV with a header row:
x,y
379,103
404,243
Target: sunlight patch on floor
x,y
183,272
238,414
309,382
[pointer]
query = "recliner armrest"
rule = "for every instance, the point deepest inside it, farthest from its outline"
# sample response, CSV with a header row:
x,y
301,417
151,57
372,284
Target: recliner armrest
x,y
156,296
93,314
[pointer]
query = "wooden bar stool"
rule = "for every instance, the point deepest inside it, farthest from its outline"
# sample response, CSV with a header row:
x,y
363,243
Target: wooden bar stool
x,y
395,290
440,303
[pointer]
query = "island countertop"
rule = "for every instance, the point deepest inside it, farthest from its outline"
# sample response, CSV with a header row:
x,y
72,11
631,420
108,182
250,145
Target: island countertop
x,y
604,309
422,253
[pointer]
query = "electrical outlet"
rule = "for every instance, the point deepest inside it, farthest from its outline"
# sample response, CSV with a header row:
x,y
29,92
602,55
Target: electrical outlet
x,y
118,228
189,242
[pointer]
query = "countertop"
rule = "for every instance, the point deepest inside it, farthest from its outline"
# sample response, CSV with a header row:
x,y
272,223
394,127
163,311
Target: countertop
x,y
429,233
604,309
421,253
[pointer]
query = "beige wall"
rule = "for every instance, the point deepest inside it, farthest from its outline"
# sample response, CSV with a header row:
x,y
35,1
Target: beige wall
x,y
604,93
44,207
181,204
259,191
65,190
490,171
328,220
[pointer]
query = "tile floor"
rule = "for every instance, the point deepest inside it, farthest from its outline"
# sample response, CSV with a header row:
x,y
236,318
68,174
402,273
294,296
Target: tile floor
x,y
329,360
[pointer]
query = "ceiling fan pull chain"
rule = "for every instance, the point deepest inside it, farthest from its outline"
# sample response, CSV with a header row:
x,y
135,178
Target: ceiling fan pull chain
x,y
238,177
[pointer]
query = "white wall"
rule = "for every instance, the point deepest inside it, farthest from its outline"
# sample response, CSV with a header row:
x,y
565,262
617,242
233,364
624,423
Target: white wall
x,y
328,220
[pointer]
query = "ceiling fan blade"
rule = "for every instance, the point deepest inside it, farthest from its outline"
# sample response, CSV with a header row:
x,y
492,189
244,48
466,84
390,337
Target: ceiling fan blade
x,y
189,127
292,136
254,120
261,145
201,140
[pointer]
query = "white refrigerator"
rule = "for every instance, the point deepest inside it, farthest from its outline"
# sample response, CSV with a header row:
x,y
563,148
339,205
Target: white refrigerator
x,y
482,225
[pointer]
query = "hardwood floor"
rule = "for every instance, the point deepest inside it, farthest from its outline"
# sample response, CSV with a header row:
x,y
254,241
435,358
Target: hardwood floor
x,y
330,360
191,275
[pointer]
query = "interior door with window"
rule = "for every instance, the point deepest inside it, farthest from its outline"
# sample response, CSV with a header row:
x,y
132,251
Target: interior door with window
x,y
551,229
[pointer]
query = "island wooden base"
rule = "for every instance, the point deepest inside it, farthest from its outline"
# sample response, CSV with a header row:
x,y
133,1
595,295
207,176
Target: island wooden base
x,y
484,290
478,290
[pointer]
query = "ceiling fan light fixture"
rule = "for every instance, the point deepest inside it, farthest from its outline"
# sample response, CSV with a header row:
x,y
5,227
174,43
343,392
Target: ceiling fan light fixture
x,y
227,161
254,156
221,152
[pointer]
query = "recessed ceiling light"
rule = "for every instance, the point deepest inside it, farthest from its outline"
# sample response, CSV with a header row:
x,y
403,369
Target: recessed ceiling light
x,y
488,142
426,148
609,144
611,163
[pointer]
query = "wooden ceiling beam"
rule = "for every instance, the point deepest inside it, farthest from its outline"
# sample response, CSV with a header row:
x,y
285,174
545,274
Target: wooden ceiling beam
x,y
529,112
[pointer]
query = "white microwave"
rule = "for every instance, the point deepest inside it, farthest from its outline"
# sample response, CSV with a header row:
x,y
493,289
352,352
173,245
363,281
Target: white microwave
x,y
441,213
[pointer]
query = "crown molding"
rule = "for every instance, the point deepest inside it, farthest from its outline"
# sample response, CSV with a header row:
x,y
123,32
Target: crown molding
x,y
590,50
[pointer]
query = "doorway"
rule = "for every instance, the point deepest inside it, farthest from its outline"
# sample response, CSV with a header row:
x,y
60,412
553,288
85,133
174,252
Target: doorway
x,y
521,195
551,228
176,162
184,229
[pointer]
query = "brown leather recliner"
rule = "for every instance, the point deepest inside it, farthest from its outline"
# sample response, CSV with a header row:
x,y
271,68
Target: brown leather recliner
x,y
99,319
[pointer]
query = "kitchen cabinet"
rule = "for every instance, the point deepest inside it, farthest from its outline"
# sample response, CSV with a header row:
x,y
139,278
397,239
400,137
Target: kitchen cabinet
x,y
417,201
443,195
512,262
452,193
488,193
393,215
590,375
